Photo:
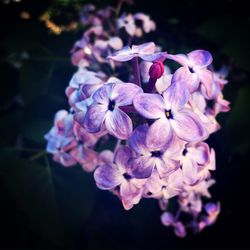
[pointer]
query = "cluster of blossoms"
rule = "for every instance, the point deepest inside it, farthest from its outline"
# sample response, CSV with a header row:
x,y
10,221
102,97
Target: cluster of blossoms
x,y
157,120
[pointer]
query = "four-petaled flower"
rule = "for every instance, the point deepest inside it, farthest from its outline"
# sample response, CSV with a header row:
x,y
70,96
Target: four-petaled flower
x,y
194,70
170,114
118,176
106,109
145,51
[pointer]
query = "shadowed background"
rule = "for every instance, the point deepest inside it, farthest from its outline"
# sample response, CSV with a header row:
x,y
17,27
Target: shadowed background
x,y
44,205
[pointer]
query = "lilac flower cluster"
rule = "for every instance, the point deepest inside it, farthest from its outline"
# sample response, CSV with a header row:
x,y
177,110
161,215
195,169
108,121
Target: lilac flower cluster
x,y
159,119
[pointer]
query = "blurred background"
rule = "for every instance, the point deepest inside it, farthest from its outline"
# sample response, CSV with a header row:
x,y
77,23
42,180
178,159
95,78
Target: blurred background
x,y
44,205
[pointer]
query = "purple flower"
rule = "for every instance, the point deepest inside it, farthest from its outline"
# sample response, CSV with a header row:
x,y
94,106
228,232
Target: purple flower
x,y
147,24
168,219
144,51
118,176
150,157
105,109
171,115
164,188
192,159
194,70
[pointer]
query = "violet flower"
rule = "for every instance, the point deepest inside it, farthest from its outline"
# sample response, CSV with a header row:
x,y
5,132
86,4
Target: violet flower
x,y
118,175
194,70
150,157
145,51
170,114
105,109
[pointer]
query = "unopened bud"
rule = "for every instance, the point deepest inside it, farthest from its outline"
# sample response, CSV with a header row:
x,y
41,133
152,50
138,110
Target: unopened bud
x,y
156,70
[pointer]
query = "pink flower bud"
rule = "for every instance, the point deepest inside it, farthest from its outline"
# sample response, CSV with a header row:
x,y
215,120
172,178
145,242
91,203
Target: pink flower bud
x,y
156,70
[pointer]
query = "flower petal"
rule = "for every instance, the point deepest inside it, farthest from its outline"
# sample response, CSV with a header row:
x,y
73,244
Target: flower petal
x,y
102,95
159,134
123,94
94,117
150,106
206,78
201,58
142,167
167,219
122,155
179,58
199,153
118,124
176,96
190,171
191,80
160,56
107,177
123,55
188,126
145,48
138,139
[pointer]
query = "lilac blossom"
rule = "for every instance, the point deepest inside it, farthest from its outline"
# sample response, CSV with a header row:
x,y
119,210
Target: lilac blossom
x,y
149,157
160,151
105,109
194,70
118,175
145,51
170,114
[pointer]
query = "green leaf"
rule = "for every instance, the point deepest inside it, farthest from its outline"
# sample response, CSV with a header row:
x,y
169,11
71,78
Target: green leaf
x,y
31,186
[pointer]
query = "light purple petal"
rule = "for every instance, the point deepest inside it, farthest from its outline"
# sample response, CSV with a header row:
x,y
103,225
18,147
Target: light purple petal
x,y
107,177
122,155
200,58
67,160
159,134
167,219
123,55
187,125
179,58
165,166
150,106
163,83
102,95
191,80
138,139
199,153
94,117
123,94
118,124
180,230
190,171
142,167
145,48
176,96
128,189
160,56
206,78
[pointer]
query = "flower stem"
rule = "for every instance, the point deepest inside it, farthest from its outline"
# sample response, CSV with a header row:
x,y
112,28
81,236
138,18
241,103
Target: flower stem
x,y
136,71
151,84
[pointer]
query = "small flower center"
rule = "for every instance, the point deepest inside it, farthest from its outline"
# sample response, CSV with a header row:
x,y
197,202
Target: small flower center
x,y
169,114
156,154
111,106
127,176
191,70
184,152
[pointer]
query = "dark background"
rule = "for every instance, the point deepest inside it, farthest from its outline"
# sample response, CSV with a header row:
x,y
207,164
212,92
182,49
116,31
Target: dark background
x,y
44,205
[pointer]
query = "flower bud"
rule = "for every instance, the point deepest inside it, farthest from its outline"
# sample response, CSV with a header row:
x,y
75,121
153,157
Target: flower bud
x,y
156,70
